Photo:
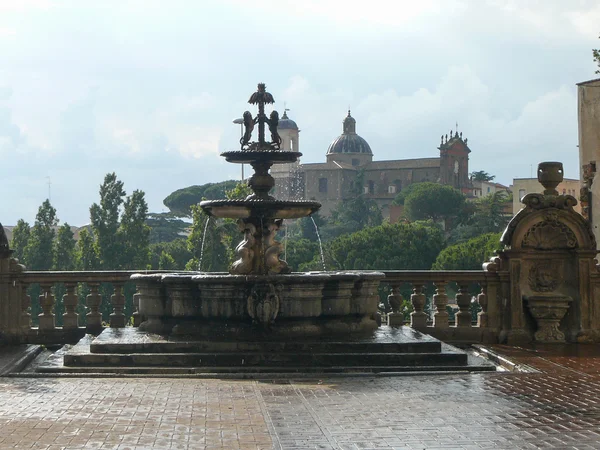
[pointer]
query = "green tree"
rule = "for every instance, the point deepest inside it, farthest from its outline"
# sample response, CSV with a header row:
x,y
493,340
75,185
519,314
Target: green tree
x,y
307,226
134,233
481,175
105,222
165,227
20,239
388,246
176,249
64,249
432,201
85,252
300,251
166,262
405,192
180,201
486,215
205,243
39,252
469,255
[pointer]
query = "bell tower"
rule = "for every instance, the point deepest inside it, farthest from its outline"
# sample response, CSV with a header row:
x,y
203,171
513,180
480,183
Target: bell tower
x,y
454,161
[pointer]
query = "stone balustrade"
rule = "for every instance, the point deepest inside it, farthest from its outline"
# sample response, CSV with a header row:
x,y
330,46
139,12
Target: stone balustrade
x,y
483,287
73,285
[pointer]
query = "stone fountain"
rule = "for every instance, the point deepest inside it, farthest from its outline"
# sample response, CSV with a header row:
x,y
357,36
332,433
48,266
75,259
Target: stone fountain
x,y
260,294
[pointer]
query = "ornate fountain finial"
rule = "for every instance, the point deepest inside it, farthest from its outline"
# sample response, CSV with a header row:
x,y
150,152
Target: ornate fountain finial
x,y
550,175
260,98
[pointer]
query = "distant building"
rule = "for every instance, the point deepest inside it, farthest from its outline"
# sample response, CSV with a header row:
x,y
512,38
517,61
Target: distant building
x,y
524,186
485,188
331,182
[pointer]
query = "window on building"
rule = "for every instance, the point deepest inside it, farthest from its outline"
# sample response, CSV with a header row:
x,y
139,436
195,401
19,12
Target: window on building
x,y
564,191
521,194
322,184
366,189
355,162
371,187
488,189
391,189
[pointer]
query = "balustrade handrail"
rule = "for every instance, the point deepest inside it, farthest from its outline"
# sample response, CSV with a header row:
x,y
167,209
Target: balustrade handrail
x,y
412,276
81,276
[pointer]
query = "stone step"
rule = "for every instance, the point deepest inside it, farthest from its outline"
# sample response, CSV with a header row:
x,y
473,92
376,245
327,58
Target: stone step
x,y
258,371
266,347
131,340
265,359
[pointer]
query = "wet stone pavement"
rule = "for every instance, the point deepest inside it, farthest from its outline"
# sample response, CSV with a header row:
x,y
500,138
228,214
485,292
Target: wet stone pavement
x,y
558,407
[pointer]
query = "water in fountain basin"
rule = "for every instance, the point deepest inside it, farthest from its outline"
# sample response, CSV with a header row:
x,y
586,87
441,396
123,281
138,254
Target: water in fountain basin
x,y
202,243
320,243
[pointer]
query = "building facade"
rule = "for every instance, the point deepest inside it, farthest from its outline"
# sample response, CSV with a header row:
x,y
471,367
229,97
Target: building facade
x,y
349,154
520,187
588,115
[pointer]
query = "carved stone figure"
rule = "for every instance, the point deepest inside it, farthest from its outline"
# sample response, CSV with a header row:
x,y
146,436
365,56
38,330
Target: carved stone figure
x,y
248,126
245,250
263,303
544,277
273,123
273,250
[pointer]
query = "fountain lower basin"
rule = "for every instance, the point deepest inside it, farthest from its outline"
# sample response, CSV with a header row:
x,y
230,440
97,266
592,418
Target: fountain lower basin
x,y
296,304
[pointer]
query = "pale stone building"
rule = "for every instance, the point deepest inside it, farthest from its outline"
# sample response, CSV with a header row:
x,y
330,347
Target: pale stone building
x,y
588,112
331,182
523,186
485,188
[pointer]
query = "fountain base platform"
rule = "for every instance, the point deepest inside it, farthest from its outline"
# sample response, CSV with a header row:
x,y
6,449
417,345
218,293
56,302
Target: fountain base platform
x,y
131,351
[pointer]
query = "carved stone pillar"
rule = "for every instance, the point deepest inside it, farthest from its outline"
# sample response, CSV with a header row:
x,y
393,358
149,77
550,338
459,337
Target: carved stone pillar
x,y
94,316
418,318
463,300
47,300
440,300
396,317
70,300
117,300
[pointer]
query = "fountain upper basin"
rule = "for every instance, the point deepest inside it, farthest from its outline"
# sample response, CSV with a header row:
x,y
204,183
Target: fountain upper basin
x,y
243,209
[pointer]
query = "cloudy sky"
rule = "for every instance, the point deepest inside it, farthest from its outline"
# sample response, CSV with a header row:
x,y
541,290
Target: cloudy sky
x,y
148,89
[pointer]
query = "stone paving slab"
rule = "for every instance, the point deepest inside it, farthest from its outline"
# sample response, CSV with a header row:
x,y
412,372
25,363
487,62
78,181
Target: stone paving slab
x,y
558,407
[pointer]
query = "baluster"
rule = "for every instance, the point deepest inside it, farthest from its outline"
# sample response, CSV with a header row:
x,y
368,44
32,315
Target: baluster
x,y
418,318
463,300
70,300
46,318
440,300
396,317
25,304
117,300
94,317
137,317
482,299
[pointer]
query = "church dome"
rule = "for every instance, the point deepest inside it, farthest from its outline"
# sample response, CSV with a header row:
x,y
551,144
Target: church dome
x,y
285,123
349,141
